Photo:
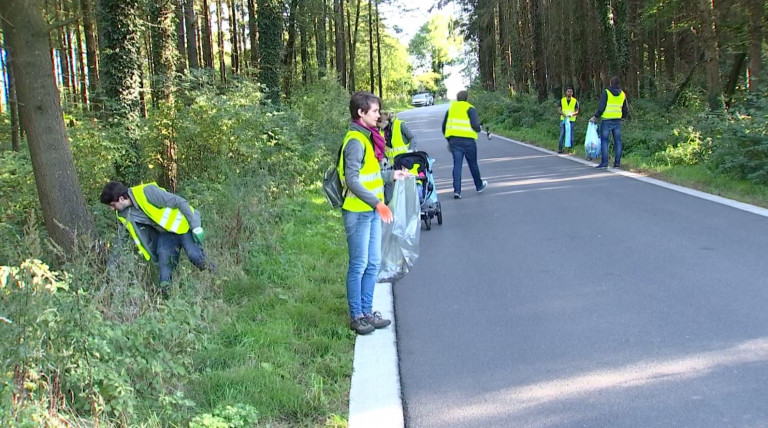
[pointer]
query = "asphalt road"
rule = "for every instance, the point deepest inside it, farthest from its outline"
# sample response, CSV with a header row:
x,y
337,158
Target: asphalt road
x,y
564,296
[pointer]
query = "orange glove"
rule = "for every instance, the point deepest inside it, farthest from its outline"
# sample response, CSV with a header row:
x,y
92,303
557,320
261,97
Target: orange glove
x,y
384,212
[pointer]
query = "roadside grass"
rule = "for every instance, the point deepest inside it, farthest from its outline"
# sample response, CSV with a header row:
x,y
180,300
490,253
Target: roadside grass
x,y
545,133
284,347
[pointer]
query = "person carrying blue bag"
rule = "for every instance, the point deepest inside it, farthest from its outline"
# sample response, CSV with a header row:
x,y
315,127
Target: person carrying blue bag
x,y
568,109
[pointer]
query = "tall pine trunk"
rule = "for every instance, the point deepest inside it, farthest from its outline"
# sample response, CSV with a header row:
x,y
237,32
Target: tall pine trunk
x,y
253,33
220,41
92,52
340,42
181,39
756,19
711,54
378,49
270,46
321,51
120,45
64,209
207,36
191,34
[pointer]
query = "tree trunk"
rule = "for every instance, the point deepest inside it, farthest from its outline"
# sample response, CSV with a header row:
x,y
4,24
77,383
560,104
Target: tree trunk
x,y
181,38
733,77
289,53
253,33
220,41
353,43
207,36
120,44
162,29
756,18
92,53
13,105
370,47
487,43
66,73
270,46
191,34
64,209
81,67
539,70
304,20
711,54
242,38
378,49
233,38
340,42
321,52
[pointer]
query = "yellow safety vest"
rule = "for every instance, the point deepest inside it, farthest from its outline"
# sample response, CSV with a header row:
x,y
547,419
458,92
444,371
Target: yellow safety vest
x,y
613,105
370,174
399,145
170,219
457,124
568,108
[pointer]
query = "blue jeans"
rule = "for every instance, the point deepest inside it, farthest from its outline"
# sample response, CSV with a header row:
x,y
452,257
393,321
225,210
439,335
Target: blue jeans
x,y
562,135
168,246
461,149
364,244
608,127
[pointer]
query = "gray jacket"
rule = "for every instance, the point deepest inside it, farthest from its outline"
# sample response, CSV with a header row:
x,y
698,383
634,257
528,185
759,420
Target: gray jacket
x,y
146,229
353,161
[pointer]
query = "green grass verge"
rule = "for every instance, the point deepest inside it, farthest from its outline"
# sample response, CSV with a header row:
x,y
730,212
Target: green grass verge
x,y
284,349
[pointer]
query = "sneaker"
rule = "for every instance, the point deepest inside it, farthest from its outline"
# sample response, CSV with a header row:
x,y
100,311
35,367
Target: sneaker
x,y
559,152
457,196
376,320
485,184
617,165
361,326
602,166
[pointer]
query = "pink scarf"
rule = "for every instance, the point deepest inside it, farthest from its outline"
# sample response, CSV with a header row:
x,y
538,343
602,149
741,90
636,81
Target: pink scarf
x,y
379,145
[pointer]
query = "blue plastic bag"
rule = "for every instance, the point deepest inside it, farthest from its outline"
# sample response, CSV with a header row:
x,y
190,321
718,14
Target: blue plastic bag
x,y
567,127
592,142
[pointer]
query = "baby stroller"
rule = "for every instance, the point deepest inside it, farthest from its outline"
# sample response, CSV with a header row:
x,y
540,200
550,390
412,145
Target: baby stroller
x,y
420,164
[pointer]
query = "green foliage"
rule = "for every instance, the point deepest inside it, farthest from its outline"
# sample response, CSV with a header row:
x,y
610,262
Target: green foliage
x,y
62,354
239,415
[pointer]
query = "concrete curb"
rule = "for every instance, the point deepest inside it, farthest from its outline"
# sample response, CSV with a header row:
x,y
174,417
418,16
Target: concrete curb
x,y
374,398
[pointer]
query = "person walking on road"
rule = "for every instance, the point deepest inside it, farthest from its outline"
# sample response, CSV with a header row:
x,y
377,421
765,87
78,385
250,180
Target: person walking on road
x,y
460,127
611,108
160,223
568,108
363,209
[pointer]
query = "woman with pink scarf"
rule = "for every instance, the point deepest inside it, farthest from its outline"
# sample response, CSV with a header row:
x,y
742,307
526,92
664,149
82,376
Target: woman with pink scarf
x,y
364,209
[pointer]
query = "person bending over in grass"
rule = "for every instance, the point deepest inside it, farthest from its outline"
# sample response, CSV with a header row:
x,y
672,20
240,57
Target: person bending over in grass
x,y
363,209
160,223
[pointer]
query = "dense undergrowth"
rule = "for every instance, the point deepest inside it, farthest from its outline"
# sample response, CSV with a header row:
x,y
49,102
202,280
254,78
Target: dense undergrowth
x,y
725,154
84,340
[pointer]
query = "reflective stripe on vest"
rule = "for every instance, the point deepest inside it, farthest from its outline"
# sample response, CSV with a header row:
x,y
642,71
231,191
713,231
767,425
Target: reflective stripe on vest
x,y
458,124
613,105
370,173
131,231
398,144
170,219
568,108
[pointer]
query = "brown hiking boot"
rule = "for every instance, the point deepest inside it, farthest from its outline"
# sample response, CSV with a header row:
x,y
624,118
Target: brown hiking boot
x,y
376,320
361,326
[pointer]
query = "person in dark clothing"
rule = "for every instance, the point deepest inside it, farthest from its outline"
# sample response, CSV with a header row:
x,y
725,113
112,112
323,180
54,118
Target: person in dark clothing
x,y
460,128
611,108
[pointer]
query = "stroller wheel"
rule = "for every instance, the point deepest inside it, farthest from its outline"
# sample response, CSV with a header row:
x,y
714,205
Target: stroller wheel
x,y
428,223
439,216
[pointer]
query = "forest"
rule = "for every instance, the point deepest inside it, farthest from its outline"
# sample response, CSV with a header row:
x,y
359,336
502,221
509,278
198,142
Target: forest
x,y
239,105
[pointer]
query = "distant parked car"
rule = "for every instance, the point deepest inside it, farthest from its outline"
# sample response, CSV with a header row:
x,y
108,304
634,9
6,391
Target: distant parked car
x,y
423,99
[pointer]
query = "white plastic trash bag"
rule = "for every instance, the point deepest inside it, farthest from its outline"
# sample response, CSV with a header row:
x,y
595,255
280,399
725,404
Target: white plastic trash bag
x,y
567,131
592,142
400,239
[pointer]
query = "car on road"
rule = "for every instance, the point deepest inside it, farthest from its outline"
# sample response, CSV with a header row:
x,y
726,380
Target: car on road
x,y
423,99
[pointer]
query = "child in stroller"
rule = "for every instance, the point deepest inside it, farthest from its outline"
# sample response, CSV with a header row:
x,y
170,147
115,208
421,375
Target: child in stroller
x,y
420,164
